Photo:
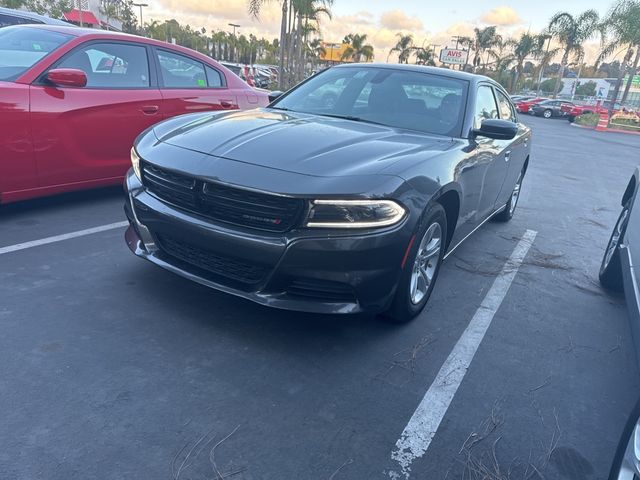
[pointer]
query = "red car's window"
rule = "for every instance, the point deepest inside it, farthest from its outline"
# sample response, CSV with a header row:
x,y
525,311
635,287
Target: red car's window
x,y
111,65
21,48
179,71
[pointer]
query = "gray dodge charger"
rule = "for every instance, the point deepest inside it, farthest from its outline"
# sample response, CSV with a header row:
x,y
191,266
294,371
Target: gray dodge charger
x,y
330,207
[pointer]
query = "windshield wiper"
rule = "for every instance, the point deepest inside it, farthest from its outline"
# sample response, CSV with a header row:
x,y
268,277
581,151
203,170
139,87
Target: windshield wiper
x,y
284,109
350,117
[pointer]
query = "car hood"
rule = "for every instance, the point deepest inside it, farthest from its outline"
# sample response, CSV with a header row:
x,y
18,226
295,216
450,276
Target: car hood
x,y
302,143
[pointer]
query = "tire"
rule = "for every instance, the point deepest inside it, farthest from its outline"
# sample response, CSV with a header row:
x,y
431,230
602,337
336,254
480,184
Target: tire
x,y
617,472
571,118
413,292
611,268
547,113
510,208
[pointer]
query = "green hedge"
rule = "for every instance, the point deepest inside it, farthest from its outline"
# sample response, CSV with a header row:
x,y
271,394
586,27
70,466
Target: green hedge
x,y
588,119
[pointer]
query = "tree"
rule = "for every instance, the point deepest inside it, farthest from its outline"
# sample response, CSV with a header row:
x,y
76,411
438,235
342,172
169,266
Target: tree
x,y
486,39
357,49
404,47
621,27
527,45
254,9
587,89
425,56
571,32
549,85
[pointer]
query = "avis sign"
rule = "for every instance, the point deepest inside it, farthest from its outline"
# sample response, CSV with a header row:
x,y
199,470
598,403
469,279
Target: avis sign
x,y
453,56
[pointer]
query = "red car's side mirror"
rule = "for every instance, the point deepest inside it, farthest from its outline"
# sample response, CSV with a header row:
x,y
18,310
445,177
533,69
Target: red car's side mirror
x,y
67,77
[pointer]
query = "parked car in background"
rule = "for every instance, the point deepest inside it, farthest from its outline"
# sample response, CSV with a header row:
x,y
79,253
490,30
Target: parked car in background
x,y
525,105
9,16
522,98
333,207
574,111
73,101
619,271
549,108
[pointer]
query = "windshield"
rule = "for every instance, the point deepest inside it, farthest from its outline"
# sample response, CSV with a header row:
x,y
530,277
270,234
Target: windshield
x,y
395,98
21,48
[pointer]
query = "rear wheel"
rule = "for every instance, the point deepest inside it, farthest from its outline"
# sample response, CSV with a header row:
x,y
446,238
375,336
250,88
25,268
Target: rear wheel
x,y
626,462
421,269
611,268
510,208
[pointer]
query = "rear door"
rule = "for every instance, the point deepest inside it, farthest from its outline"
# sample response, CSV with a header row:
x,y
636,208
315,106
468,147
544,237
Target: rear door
x,y
514,151
85,134
490,153
189,85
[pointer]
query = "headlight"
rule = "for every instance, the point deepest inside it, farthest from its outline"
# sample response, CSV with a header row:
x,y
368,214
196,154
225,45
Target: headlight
x,y
354,213
135,162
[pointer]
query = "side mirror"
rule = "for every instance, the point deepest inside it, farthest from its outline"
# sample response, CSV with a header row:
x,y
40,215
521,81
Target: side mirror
x,y
275,95
497,129
67,77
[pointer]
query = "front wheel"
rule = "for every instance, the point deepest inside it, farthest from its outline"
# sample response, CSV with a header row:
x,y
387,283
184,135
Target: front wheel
x,y
571,118
547,113
421,269
611,268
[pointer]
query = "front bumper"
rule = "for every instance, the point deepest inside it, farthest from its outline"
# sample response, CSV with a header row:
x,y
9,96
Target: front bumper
x,y
305,270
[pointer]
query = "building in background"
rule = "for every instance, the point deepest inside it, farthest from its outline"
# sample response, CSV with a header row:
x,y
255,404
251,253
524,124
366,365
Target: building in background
x,y
96,14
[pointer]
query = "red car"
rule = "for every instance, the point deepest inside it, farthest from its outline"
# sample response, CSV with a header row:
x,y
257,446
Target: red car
x,y
72,101
573,111
525,107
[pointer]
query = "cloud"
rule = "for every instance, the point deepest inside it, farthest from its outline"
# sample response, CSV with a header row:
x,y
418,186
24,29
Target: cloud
x,y
399,20
503,16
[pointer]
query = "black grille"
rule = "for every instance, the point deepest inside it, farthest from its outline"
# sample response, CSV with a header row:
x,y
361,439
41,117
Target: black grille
x,y
223,203
321,290
211,262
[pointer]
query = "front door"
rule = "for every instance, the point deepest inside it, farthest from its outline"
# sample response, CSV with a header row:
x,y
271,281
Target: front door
x,y
84,134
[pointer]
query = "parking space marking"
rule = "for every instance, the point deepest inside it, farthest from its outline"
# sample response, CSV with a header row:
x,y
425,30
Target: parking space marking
x,y
60,238
422,427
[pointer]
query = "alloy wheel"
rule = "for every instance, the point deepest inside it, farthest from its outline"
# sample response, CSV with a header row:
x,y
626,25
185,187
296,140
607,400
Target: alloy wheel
x,y
618,230
426,262
547,114
515,195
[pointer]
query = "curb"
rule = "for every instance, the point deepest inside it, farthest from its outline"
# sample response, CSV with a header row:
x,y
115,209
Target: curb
x,y
608,130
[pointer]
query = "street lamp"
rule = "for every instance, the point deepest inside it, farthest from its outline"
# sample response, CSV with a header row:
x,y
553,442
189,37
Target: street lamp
x,y
141,5
234,25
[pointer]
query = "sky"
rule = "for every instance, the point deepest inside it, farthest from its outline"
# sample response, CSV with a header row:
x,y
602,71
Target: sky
x,y
431,23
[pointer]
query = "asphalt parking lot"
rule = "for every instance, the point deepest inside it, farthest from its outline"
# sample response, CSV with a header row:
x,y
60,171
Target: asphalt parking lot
x,y
115,369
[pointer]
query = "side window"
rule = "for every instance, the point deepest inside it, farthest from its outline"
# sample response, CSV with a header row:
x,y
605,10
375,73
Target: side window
x,y
214,78
179,71
506,111
486,107
111,65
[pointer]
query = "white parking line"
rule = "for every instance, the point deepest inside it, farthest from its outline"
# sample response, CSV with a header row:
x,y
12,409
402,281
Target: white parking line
x,y
60,238
422,427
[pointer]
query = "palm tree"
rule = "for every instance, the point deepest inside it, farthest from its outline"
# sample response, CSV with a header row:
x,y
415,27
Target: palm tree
x,y
466,43
572,31
357,49
622,25
404,47
527,45
425,56
485,40
254,9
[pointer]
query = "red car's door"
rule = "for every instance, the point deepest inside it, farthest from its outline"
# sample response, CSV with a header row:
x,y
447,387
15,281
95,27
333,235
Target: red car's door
x,y
189,85
85,134
17,165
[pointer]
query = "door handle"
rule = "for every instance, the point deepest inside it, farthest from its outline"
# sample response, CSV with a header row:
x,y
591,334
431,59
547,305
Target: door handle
x,y
507,155
150,109
225,104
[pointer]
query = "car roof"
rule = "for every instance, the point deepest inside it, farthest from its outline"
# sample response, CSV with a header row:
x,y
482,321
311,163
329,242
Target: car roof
x,y
34,16
110,35
443,72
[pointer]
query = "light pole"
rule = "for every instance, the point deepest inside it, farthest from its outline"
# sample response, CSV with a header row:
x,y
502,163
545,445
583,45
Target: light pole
x,y
234,25
141,5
